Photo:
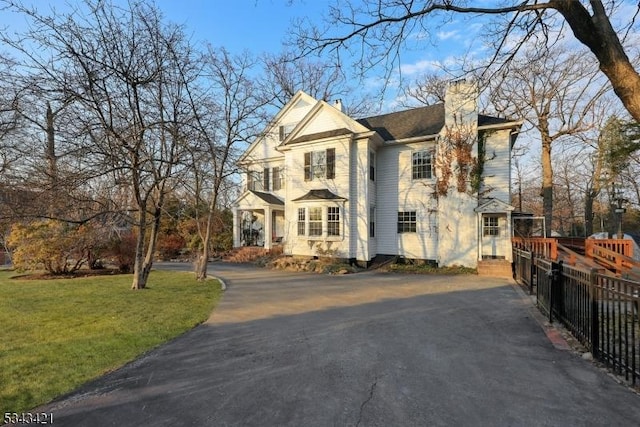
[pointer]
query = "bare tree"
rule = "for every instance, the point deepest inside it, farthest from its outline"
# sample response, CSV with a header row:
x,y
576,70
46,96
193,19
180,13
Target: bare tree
x,y
428,89
557,95
228,114
378,30
286,75
125,68
9,117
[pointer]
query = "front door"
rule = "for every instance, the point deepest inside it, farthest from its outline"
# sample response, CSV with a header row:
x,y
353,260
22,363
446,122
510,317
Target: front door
x,y
494,236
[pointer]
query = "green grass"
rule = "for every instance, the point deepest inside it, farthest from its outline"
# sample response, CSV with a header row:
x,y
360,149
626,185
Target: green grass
x,y
58,334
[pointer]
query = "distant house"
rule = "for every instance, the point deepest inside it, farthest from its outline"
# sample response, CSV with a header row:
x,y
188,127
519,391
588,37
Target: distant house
x,y
430,183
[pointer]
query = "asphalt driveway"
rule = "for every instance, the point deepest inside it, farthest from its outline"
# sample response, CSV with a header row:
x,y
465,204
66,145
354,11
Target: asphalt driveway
x,y
287,349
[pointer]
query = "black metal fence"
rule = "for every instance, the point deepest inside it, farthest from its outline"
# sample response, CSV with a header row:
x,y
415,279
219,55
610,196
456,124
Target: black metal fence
x,y
599,309
523,262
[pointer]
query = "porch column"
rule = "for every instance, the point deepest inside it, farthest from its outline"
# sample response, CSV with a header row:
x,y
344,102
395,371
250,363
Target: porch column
x,y
236,228
268,227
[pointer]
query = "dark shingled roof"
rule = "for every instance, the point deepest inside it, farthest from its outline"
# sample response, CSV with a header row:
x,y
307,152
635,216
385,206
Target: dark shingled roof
x,y
421,121
320,135
269,198
323,194
490,120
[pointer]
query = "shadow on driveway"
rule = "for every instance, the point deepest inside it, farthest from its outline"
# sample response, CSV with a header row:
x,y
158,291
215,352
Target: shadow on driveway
x,y
366,349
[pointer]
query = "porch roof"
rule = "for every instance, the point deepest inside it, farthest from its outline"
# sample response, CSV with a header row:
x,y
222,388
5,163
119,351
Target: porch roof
x,y
269,198
494,206
257,199
322,194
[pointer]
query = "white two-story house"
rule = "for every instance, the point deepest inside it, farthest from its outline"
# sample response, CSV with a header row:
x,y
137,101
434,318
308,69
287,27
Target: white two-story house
x,y
430,183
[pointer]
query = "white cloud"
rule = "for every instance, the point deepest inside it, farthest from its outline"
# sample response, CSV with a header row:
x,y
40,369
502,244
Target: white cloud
x,y
447,35
420,67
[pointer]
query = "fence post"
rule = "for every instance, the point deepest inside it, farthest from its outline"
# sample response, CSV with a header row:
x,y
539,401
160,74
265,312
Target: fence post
x,y
531,272
559,289
555,282
551,280
595,316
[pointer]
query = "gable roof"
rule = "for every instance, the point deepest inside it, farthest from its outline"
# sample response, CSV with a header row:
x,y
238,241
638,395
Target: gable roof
x,y
321,110
300,95
493,205
421,121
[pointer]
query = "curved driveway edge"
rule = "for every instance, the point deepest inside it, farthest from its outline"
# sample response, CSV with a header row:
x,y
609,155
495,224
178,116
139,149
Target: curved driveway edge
x,y
368,349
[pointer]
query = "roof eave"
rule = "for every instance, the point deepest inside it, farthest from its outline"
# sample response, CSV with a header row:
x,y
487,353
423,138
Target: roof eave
x,y
413,139
506,125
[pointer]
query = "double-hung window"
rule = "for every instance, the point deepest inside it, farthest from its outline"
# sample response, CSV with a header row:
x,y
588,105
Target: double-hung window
x,y
255,181
285,130
315,221
333,221
302,223
372,221
266,177
407,222
319,164
372,166
422,164
277,178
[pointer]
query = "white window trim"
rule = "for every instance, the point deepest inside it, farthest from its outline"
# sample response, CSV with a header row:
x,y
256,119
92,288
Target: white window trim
x,y
324,237
491,230
431,153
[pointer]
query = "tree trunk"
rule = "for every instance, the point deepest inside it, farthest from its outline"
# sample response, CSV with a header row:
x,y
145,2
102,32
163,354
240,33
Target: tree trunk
x,y
588,211
139,278
547,185
201,268
50,152
597,33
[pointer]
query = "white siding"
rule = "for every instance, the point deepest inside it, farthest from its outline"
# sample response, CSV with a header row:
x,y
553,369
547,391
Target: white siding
x,y
297,187
325,119
497,167
372,193
359,200
265,149
397,191
457,220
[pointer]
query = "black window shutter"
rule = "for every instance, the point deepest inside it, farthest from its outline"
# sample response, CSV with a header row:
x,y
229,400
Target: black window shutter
x,y
331,163
307,166
281,133
266,179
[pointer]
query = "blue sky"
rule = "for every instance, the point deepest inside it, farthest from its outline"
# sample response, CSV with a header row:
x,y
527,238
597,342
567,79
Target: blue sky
x,y
256,25
261,26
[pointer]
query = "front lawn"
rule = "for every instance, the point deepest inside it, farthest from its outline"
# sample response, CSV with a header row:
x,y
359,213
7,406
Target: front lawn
x,y
58,334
